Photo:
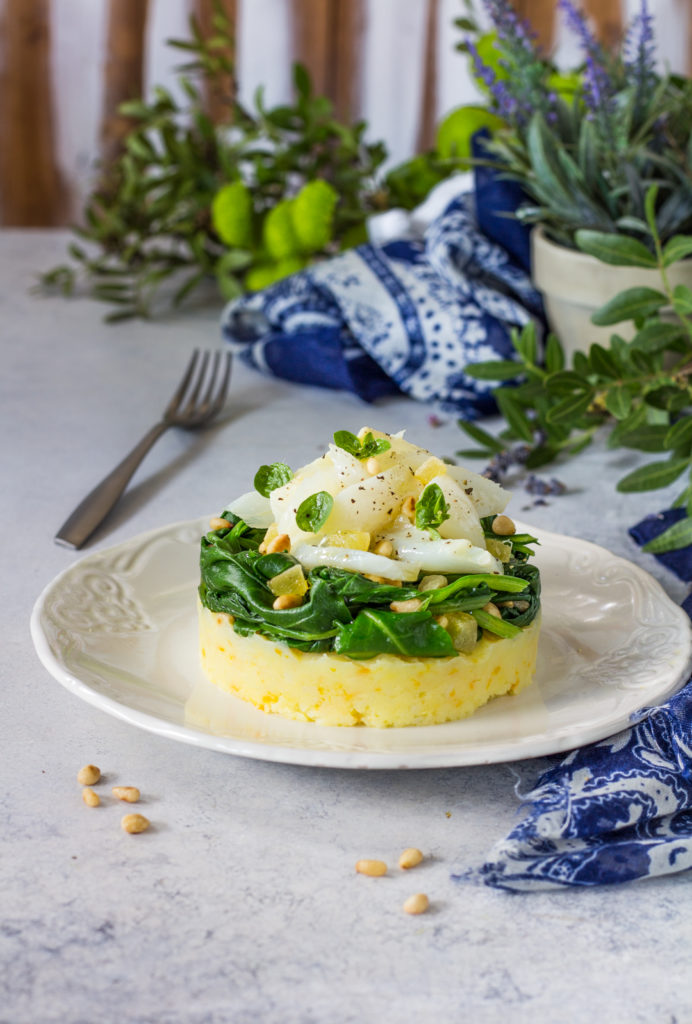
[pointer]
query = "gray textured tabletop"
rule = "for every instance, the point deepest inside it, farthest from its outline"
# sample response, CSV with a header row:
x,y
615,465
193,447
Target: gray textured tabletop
x,y
242,904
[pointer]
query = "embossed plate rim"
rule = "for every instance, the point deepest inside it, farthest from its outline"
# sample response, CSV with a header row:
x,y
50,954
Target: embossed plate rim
x,y
339,755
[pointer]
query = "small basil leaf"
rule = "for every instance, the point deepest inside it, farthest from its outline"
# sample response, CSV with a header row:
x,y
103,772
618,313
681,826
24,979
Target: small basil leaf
x,y
268,478
431,509
360,449
313,513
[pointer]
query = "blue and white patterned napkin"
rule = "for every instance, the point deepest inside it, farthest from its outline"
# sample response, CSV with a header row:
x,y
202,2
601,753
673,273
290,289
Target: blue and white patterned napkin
x,y
406,315
613,811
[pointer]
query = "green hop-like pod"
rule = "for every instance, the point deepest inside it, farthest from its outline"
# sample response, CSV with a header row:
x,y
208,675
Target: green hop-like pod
x,y
231,214
312,213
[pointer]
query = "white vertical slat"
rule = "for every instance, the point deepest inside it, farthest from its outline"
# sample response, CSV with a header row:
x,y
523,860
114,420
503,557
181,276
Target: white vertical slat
x,y
168,19
77,71
264,45
394,45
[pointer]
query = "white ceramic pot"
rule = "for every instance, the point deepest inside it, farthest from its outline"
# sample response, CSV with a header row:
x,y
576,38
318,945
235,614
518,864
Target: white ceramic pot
x,y
575,285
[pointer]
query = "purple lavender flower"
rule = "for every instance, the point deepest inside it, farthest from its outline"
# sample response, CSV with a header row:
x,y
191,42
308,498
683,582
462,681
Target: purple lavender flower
x,y
598,87
507,104
640,54
511,29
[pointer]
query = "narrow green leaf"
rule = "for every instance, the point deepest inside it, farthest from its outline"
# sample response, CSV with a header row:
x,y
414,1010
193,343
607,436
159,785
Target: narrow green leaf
x,y
635,419
652,476
650,437
679,535
525,342
618,401
554,354
602,361
618,250
482,436
570,408
679,434
565,382
650,209
682,300
679,247
515,415
657,336
500,370
629,305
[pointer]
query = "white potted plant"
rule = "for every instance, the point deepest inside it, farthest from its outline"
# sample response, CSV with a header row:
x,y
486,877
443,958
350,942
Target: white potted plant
x,y
586,148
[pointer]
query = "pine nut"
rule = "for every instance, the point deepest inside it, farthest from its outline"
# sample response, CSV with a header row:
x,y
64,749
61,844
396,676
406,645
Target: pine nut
x,y
284,601
88,775
280,543
433,582
373,868
130,794
492,609
412,605
521,606
384,548
408,507
372,466
134,823
417,904
503,526
217,523
442,620
410,858
90,798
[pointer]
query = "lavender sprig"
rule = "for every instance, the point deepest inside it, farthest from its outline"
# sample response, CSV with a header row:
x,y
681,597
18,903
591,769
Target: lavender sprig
x,y
512,30
599,88
640,55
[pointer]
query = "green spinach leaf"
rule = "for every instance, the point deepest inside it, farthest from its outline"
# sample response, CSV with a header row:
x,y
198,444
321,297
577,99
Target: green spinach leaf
x,y
411,634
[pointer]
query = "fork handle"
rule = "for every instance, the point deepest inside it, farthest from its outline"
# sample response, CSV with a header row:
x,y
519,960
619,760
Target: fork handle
x,y
98,503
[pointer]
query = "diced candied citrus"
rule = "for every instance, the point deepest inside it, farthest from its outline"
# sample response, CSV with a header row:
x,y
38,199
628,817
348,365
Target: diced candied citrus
x,y
290,581
463,629
429,469
271,534
499,548
355,539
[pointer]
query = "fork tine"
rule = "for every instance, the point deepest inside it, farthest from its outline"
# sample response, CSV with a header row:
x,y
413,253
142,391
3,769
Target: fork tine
x,y
223,387
196,387
175,401
212,378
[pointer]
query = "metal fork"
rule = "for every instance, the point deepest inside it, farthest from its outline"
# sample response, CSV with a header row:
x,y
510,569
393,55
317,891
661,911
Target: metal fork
x,y
191,406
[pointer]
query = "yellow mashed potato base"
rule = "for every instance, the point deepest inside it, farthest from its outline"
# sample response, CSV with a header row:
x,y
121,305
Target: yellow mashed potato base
x,y
382,692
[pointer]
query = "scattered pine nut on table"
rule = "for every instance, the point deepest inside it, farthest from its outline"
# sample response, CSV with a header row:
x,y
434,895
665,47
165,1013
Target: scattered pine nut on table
x,y
134,823
417,904
130,794
374,868
88,775
410,858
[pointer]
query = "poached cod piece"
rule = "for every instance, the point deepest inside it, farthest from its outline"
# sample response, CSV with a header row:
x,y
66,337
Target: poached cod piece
x,y
377,585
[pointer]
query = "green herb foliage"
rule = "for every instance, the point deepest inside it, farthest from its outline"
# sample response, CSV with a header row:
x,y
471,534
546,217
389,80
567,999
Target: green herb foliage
x,y
432,509
268,478
238,205
640,389
361,448
314,511
343,611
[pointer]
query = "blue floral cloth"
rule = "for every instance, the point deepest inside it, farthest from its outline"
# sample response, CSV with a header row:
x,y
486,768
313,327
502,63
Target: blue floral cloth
x,y
406,316
613,811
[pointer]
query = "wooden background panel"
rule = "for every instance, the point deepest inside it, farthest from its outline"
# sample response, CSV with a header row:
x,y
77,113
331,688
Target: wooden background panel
x,y
31,186
391,61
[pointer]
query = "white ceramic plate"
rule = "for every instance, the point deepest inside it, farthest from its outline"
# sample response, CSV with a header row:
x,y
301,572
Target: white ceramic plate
x,y
119,629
